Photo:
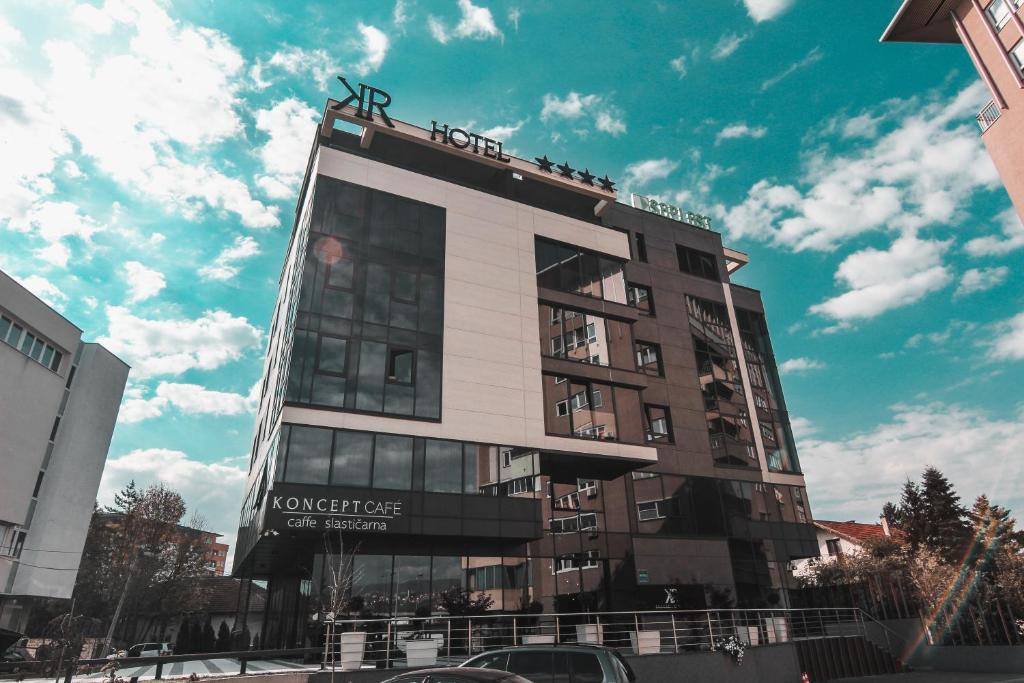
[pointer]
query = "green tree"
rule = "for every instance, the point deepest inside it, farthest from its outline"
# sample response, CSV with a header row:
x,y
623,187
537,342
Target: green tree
x,y
183,640
223,637
209,637
947,530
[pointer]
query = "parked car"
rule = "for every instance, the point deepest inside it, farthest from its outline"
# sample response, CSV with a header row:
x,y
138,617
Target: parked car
x,y
460,674
149,650
559,663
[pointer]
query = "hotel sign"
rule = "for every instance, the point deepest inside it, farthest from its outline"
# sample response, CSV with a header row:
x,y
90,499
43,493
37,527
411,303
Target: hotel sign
x,y
670,211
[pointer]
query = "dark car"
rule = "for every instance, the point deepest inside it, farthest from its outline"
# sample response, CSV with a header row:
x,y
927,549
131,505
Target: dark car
x,y
461,674
559,663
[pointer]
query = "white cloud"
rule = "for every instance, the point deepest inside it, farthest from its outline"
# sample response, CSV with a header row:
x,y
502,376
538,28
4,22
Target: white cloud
x,y
727,44
853,477
1009,344
475,22
44,289
918,174
226,265
610,121
294,61
212,489
574,107
980,279
291,127
801,427
955,329
861,126
880,281
92,18
172,347
55,253
679,65
571,107
801,364
193,73
810,58
54,222
190,399
400,15
640,173
514,15
1012,237
71,169
765,10
740,130
143,282
503,133
373,46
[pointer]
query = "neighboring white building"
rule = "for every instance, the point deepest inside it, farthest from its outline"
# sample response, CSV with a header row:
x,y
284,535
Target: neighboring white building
x,y
836,539
59,399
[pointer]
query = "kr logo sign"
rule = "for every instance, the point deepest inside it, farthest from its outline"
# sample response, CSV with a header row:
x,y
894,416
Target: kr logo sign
x,y
365,101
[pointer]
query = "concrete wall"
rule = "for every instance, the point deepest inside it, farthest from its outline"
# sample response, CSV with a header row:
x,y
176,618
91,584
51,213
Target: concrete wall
x,y
976,658
491,383
72,478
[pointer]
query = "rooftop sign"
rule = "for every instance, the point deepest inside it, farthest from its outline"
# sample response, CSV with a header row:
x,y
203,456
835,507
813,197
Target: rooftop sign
x,y
669,211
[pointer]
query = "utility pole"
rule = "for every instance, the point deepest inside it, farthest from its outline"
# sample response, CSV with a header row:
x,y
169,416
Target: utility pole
x,y
120,603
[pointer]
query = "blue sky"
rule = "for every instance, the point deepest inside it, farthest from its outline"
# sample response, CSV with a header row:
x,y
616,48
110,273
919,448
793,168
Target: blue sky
x,y
152,153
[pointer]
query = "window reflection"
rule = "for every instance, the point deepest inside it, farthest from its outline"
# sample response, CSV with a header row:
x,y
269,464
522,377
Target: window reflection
x,y
725,406
571,269
583,337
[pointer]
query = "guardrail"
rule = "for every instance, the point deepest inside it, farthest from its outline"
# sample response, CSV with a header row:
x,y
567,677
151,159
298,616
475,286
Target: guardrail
x,y
400,641
988,115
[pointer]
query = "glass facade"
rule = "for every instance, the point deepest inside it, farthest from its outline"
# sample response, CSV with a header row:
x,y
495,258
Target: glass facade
x,y
370,309
776,433
317,455
725,404
592,410
584,337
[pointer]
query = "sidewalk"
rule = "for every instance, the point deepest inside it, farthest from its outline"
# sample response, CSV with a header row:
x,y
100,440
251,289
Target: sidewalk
x,y
200,667
938,677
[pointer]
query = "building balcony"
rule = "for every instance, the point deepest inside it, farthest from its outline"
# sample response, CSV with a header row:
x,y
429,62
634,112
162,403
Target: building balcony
x,y
988,115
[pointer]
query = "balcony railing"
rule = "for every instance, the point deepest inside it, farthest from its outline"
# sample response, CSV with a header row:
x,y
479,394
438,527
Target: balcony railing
x,y
988,115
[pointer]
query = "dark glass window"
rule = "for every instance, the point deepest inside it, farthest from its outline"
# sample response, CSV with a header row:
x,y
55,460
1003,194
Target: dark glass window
x,y
535,665
640,297
353,459
659,424
442,469
309,455
372,284
696,262
575,270
648,358
640,247
392,462
400,366
590,410
585,668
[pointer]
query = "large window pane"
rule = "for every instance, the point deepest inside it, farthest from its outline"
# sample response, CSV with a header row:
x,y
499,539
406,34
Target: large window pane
x,y
392,463
412,584
353,455
372,364
333,355
309,455
371,584
443,469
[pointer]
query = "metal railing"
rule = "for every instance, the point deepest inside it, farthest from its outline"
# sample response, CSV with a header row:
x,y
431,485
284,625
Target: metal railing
x,y
412,641
988,115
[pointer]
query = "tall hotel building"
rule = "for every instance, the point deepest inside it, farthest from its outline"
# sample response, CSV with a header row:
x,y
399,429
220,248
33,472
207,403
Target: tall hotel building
x,y
486,374
59,398
992,32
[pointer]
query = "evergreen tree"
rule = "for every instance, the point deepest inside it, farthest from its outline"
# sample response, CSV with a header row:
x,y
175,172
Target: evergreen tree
x,y
183,641
909,515
196,636
946,527
209,639
223,637
244,639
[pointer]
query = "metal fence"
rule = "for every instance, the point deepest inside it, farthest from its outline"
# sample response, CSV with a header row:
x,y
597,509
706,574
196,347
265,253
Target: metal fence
x,y
401,641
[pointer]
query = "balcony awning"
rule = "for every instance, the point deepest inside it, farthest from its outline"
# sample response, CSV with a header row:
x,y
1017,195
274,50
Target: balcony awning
x,y
922,21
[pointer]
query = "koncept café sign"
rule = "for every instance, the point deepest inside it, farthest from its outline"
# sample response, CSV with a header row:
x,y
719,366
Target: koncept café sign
x,y
317,508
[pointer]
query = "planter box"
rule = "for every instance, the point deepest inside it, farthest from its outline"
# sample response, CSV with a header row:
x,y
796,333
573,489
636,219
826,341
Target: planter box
x,y
592,634
748,635
645,642
421,652
352,646
777,629
539,640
